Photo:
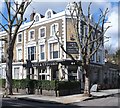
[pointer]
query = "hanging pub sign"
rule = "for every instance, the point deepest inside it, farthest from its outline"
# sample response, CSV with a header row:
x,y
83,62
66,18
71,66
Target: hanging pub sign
x,y
72,48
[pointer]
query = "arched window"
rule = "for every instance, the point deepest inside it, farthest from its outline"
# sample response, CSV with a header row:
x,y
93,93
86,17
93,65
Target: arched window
x,y
49,14
37,18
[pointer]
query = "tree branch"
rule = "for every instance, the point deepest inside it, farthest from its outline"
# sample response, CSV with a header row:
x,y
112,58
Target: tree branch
x,y
3,16
28,27
4,27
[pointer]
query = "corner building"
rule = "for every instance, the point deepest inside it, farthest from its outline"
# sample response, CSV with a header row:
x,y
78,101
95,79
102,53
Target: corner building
x,y
40,45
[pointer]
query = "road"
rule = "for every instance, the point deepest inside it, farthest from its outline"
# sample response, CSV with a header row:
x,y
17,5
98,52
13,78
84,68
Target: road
x,y
16,103
107,101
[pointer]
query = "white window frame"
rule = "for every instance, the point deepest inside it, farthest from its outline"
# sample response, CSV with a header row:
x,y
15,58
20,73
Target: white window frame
x,y
49,14
29,37
40,32
34,54
43,72
18,38
51,30
18,73
40,53
18,53
37,18
57,50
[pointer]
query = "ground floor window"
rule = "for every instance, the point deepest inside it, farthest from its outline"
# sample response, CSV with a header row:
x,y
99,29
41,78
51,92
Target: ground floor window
x,y
42,74
16,72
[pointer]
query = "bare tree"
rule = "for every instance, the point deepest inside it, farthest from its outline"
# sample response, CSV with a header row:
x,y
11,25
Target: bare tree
x,y
14,19
89,43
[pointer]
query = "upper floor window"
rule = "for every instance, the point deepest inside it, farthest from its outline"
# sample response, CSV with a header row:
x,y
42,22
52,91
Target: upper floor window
x,y
19,38
32,53
54,29
42,31
54,50
37,18
49,14
31,35
42,52
19,54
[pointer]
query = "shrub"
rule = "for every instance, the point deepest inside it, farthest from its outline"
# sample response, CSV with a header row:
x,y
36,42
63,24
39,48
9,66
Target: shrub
x,y
68,85
2,83
16,83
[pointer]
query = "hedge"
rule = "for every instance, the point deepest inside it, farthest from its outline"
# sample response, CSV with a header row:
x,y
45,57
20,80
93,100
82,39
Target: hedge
x,y
43,84
2,83
68,85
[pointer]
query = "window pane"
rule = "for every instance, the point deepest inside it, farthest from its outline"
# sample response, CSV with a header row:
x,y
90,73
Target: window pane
x,y
42,55
55,54
37,18
19,54
42,52
16,73
19,37
42,32
55,46
31,34
54,29
49,14
42,48
54,50
31,53
43,77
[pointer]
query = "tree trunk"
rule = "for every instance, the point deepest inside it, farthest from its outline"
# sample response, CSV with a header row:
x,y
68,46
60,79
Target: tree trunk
x,y
9,71
87,81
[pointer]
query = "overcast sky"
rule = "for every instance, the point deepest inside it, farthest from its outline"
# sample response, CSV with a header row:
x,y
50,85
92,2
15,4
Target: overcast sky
x,y
59,5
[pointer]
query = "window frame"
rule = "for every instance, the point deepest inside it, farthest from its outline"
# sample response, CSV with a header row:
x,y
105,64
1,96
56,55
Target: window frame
x,y
51,29
44,32
29,53
18,54
37,18
52,51
49,14
18,68
29,38
18,38
42,52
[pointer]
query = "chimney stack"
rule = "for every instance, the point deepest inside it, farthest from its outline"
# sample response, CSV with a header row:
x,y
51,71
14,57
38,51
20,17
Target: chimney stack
x,y
32,16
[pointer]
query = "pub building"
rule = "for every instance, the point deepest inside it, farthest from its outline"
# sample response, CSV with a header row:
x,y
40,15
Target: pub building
x,y
37,52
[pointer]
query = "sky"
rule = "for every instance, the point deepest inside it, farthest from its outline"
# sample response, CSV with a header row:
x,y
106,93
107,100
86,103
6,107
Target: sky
x,y
60,5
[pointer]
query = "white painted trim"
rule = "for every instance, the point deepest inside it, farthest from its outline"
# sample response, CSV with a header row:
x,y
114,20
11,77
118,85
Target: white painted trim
x,y
25,51
64,36
46,13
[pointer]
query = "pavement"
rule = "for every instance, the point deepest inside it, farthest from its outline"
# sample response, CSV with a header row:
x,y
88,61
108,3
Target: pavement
x,y
66,99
